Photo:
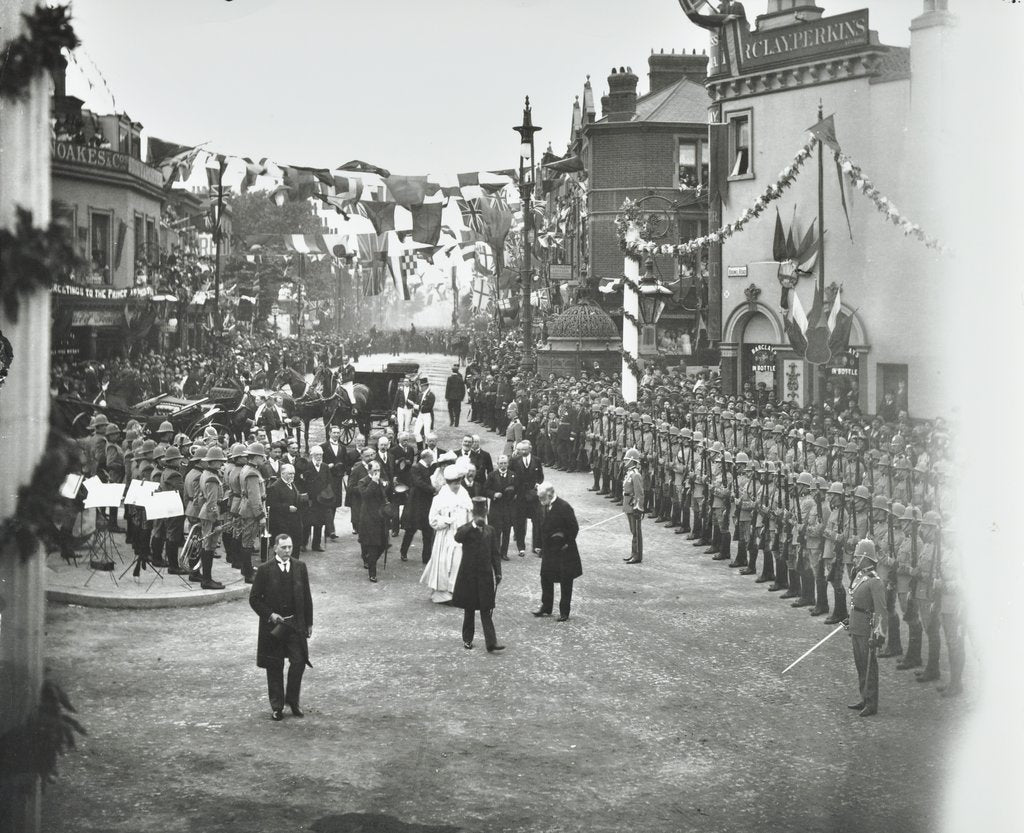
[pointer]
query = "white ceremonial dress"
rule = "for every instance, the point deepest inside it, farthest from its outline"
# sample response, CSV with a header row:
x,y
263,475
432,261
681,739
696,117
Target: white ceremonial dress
x,y
448,511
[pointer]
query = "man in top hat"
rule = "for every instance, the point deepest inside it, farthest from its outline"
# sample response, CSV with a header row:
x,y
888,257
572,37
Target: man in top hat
x,y
404,402
479,575
868,625
454,394
425,418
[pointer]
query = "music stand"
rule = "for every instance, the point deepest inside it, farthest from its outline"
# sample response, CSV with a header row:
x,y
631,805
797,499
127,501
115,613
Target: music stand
x,y
101,545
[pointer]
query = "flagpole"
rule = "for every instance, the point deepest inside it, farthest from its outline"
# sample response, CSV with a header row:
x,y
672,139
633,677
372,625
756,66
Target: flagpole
x,y
822,370
217,322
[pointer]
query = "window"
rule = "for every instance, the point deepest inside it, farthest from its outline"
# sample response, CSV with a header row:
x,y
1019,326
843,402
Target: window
x,y
100,245
694,163
740,144
152,242
140,241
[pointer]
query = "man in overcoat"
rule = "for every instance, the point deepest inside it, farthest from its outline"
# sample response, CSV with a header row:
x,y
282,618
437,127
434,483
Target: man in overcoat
x,y
479,576
284,503
500,489
560,558
417,506
282,599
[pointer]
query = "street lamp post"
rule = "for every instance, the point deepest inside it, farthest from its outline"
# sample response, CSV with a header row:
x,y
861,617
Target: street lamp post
x,y
526,132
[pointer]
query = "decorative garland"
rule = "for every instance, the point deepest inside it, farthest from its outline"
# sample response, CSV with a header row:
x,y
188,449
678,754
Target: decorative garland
x,y
637,248
860,181
39,50
32,259
636,322
633,365
31,750
35,519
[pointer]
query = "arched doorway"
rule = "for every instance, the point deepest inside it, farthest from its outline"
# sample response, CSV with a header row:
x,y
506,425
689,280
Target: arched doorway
x,y
759,362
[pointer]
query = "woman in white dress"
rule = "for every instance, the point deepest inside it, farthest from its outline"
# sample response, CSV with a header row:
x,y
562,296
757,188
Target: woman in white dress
x,y
450,509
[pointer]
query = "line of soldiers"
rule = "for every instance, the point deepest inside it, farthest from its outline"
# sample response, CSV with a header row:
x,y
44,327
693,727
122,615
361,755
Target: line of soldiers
x,y
223,495
800,503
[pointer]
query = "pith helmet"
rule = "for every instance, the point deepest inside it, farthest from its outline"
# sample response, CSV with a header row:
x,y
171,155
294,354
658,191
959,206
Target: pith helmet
x,y
213,454
866,549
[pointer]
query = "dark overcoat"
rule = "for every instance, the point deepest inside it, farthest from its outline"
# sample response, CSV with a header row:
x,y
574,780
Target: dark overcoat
x,y
280,521
372,523
476,582
271,590
559,556
320,488
500,513
419,498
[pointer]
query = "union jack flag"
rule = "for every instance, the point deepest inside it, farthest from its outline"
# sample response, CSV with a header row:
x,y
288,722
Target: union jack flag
x,y
471,215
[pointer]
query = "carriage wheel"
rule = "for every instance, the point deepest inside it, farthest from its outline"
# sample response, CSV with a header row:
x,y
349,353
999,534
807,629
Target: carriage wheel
x,y
190,550
348,431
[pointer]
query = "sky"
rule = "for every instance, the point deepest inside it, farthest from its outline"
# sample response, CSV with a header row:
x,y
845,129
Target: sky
x,y
410,86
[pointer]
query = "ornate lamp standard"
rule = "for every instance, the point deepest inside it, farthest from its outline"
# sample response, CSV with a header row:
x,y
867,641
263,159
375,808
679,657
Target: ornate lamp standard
x,y
526,168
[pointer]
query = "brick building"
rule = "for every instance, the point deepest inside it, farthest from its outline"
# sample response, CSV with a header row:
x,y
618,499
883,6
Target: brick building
x,y
652,148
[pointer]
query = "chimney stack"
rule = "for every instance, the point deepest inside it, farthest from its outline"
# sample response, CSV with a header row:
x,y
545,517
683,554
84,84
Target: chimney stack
x,y
620,103
663,70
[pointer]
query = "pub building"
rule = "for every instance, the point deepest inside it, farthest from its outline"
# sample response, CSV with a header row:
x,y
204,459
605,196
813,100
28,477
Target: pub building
x,y
123,224
766,78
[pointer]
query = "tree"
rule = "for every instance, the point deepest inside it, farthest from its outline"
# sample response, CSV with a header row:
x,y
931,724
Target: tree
x,y
253,213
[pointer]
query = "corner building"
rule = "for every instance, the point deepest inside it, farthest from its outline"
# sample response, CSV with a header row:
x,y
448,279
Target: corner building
x,y
766,79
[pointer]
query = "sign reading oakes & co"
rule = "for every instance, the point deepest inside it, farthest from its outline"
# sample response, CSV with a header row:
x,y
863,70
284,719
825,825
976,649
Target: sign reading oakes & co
x,y
72,153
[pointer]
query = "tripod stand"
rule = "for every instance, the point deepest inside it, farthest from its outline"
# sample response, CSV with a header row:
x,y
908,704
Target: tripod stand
x,y
101,547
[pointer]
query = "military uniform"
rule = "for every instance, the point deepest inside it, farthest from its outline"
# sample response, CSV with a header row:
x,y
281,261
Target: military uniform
x,y
867,597
633,501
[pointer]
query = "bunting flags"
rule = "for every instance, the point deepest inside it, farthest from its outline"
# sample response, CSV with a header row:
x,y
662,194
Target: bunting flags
x,y
381,214
471,215
359,166
825,132
426,222
410,191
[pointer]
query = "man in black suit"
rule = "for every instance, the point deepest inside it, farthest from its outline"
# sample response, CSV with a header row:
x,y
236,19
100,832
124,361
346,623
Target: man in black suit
x,y
355,477
317,483
527,474
281,597
481,459
501,491
425,419
560,558
335,458
417,507
479,575
284,504
454,393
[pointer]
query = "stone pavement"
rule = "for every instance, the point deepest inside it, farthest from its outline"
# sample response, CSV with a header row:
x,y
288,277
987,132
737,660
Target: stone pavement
x,y
657,707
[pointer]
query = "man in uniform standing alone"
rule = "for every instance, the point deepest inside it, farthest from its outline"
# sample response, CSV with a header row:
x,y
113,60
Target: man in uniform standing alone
x,y
868,625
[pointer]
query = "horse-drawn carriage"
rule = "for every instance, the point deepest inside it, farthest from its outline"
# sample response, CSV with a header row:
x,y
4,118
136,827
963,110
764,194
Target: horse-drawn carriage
x,y
187,416
360,405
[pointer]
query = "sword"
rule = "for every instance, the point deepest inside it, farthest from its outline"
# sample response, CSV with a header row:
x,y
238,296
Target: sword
x,y
815,648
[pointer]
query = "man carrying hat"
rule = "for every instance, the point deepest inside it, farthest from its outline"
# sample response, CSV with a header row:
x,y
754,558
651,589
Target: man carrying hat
x,y
868,625
406,397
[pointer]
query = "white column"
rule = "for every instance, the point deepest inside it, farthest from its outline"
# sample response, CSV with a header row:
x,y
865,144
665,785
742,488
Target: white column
x,y
630,334
24,406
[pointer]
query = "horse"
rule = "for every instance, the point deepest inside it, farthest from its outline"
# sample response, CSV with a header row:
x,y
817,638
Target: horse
x,y
295,381
336,409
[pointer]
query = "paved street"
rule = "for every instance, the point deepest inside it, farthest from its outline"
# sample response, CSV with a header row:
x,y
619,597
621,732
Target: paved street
x,y
658,706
